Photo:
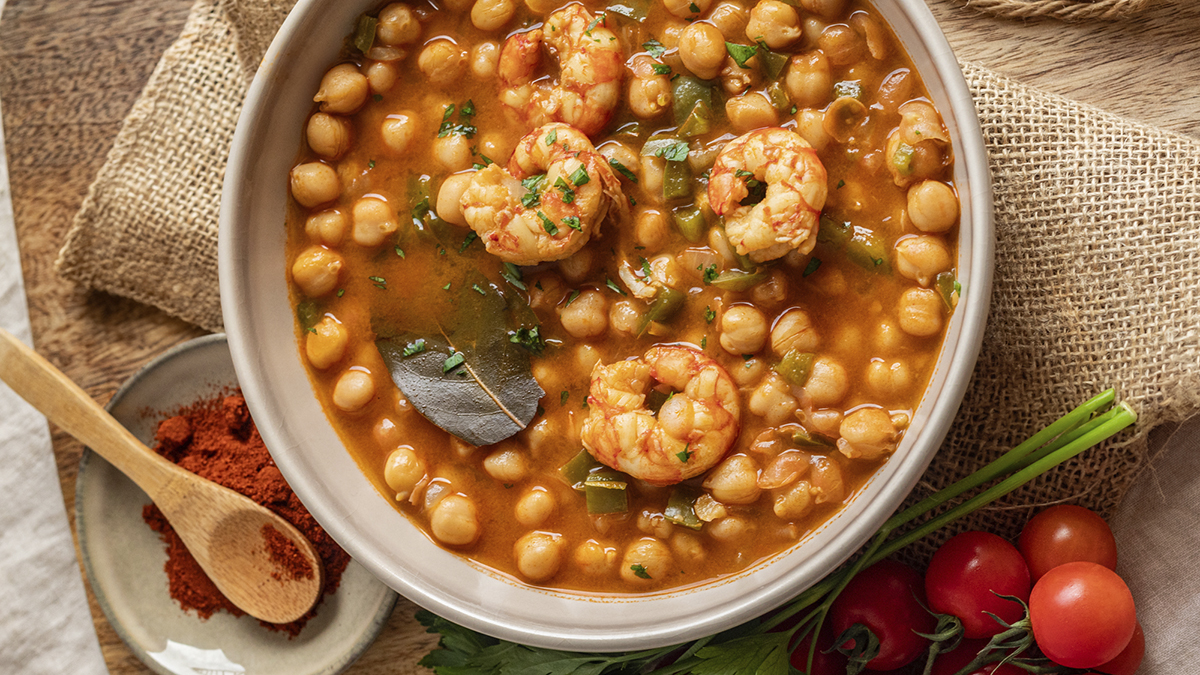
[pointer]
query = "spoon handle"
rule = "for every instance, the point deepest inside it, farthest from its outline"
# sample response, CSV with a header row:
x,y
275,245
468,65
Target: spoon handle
x,y
48,390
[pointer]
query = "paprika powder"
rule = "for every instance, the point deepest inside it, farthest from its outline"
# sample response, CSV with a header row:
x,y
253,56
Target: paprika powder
x,y
215,438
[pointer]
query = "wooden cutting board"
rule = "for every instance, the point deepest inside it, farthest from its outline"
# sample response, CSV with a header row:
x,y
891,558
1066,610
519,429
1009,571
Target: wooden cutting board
x,y
71,70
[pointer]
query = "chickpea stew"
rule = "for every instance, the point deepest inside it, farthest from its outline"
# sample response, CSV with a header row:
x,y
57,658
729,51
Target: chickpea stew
x,y
722,239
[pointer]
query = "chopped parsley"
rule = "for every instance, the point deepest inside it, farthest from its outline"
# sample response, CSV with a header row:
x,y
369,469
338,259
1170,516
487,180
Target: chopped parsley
x,y
709,314
564,397
684,455
341,292
568,194
573,223
675,152
379,282
661,69
646,267
694,7
571,297
711,274
470,238
580,176
512,274
446,287
414,348
813,265
455,360
534,186
612,285
529,338
547,224
464,126
639,571
371,164
655,48
478,289
741,53
623,170
377,98
841,184
483,164
551,137
399,251
595,22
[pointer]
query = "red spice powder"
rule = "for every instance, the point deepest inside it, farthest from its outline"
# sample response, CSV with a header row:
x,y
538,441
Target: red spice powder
x,y
287,558
216,438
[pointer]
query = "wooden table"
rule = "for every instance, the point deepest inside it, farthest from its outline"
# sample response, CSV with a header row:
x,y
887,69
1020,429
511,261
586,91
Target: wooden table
x,y
71,70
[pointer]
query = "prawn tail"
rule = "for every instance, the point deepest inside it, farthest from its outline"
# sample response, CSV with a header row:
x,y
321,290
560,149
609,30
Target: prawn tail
x,y
725,192
520,58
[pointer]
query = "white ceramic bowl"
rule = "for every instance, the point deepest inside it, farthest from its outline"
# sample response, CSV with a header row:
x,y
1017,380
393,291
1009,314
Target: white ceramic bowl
x,y
259,322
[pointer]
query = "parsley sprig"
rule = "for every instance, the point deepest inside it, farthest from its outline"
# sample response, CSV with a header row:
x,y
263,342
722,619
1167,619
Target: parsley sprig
x,y
760,646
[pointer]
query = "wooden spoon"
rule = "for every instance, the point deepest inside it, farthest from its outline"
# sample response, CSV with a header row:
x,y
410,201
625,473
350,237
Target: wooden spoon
x,y
224,531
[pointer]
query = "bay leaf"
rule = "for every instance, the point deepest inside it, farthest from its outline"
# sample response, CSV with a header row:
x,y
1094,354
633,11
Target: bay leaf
x,y
467,376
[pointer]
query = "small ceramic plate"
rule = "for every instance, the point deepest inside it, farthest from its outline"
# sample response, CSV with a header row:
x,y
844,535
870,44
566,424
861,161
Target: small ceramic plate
x,y
124,559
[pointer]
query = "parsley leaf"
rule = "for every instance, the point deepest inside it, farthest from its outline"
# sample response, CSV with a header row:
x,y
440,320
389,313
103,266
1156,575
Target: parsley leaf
x,y
709,314
573,223
813,265
675,152
580,176
661,69
512,274
568,194
551,137
467,241
655,48
529,338
623,170
455,360
612,285
547,224
414,348
741,53
710,274
639,571
534,185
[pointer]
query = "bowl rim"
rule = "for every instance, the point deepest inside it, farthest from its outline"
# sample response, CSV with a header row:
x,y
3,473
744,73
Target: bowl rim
x,y
473,606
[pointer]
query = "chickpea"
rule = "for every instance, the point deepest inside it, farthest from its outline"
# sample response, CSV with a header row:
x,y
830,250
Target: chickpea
x,y
650,93
730,529
316,271
743,330
328,135
655,525
920,312
326,344
652,172
772,400
386,434
382,76
326,227
888,337
403,471
687,9
397,25
398,130
746,372
866,433
922,258
794,329
734,480
810,124
750,111
828,382
774,22
650,227
772,292
343,89
702,49
506,465
809,82
491,15
374,221
594,559
586,316
539,555
730,18
454,520
825,422
842,45
895,89
576,266
646,560
453,152
794,501
449,199
535,507
889,379
442,62
736,80
622,153
586,358
932,206
687,547
542,7
353,390
495,146
485,57
827,481
625,317
315,183
544,433
829,9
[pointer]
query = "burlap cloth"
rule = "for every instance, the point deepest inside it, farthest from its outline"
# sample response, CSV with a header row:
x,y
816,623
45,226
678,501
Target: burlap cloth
x,y
1097,279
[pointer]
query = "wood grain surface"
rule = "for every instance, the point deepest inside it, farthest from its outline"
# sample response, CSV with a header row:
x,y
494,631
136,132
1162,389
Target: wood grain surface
x,y
71,70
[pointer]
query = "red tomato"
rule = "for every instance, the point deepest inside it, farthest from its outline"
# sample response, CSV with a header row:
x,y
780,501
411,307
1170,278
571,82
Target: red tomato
x,y
951,662
833,663
1127,662
887,599
965,575
1063,534
1082,614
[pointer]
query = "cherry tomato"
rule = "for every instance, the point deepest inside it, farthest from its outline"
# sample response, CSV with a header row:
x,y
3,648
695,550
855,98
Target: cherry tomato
x,y
965,575
1127,662
887,599
1063,534
951,662
832,663
1082,614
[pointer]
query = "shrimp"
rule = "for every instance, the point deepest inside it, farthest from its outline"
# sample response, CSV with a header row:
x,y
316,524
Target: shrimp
x,y
787,218
590,65
689,435
548,202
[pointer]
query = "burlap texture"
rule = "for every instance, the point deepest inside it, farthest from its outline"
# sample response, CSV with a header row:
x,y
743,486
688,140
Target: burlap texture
x,y
1097,278
1066,10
